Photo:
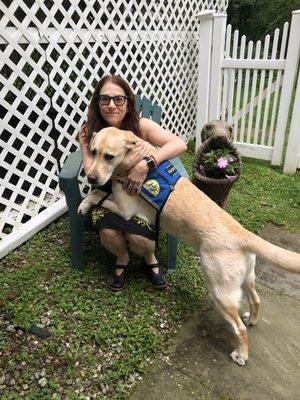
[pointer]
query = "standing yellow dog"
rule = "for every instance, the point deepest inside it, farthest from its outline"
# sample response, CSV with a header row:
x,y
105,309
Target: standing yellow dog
x,y
226,249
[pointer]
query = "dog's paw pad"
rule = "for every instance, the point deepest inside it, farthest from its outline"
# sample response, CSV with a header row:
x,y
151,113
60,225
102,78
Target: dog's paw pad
x,y
238,358
246,318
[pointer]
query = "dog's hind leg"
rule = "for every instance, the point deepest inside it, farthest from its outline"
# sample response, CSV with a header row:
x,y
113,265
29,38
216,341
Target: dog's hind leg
x,y
252,296
225,274
229,310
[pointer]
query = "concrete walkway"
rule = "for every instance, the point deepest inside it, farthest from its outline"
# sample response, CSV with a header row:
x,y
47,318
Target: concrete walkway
x,y
199,366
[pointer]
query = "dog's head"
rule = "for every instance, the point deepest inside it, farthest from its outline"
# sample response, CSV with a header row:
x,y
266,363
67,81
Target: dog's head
x,y
108,148
217,128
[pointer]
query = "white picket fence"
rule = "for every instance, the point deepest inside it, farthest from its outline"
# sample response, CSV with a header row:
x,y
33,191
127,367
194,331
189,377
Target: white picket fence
x,y
251,85
52,54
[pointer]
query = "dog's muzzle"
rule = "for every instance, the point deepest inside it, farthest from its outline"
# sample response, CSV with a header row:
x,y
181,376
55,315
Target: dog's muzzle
x,y
92,179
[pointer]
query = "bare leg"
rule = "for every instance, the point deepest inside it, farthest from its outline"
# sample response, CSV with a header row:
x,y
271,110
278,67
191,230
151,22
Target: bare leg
x,y
143,247
114,241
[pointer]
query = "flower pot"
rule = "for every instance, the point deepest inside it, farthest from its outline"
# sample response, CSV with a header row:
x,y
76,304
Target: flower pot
x,y
215,188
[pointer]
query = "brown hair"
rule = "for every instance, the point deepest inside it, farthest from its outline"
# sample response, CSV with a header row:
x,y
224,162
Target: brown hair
x,y
95,121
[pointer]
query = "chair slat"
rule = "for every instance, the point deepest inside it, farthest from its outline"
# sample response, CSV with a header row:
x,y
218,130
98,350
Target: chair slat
x,y
156,113
138,101
146,108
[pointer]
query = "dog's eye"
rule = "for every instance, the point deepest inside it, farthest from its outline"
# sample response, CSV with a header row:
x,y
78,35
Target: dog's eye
x,y
93,152
210,127
108,157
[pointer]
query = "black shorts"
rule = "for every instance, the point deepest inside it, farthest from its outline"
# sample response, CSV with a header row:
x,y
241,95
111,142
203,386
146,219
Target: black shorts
x,y
103,218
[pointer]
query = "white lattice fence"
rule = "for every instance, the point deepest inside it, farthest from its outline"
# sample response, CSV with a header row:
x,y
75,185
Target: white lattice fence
x,y
53,53
28,166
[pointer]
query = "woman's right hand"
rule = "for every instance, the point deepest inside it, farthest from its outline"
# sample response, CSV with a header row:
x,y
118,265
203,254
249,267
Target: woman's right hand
x,y
135,155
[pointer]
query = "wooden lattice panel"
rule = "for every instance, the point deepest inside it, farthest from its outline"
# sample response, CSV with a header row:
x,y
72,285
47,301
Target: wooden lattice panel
x,y
54,52
28,166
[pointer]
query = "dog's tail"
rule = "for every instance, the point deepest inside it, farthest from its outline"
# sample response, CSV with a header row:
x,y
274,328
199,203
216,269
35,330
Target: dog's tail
x,y
283,259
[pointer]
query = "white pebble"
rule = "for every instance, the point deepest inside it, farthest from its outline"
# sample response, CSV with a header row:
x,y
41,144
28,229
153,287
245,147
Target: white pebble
x,y
43,382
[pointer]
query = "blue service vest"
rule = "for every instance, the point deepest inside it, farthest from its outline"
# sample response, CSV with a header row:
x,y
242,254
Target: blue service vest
x,y
159,183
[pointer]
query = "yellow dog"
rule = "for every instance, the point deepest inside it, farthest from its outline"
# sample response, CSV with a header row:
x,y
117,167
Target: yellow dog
x,y
226,249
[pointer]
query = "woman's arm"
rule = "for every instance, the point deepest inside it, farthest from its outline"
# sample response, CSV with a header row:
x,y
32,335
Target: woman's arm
x,y
170,146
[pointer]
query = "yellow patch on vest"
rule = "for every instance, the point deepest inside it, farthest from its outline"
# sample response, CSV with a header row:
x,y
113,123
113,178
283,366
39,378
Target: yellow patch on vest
x,y
152,186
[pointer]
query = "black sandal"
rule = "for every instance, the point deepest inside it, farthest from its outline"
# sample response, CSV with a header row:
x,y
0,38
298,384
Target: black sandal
x,y
156,280
117,282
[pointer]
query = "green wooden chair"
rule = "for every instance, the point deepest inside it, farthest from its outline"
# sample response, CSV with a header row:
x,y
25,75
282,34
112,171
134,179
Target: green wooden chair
x,y
68,181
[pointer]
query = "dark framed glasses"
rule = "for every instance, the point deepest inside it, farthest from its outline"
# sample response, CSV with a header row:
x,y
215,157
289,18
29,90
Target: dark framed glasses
x,y
105,100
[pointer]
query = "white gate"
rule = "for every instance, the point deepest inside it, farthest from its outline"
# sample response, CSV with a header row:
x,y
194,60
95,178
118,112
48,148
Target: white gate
x,y
251,85
292,157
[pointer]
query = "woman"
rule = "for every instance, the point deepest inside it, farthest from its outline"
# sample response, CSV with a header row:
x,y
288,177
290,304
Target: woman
x,y
113,104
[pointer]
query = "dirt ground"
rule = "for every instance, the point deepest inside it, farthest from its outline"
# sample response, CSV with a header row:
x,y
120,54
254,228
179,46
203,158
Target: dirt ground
x,y
199,366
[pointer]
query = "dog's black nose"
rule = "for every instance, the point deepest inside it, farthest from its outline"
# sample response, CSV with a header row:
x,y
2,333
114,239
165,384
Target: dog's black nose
x,y
92,179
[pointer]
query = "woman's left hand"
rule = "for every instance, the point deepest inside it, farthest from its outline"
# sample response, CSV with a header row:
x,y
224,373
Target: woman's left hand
x,y
136,177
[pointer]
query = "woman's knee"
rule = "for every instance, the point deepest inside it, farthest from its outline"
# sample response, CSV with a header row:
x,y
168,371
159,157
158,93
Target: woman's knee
x,y
139,244
111,236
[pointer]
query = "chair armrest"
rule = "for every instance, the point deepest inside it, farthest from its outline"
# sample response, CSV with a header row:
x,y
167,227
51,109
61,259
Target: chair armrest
x,y
68,181
72,166
179,166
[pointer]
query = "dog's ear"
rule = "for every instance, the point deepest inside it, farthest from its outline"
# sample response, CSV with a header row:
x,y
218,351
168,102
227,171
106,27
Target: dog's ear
x,y
207,131
130,139
203,133
230,129
93,136
92,139
130,143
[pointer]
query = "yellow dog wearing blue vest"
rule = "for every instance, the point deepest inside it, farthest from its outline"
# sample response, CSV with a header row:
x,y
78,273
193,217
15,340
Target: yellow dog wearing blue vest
x,y
226,249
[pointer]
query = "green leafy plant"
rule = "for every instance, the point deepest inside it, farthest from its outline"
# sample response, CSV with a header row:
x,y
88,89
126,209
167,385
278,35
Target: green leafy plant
x,y
220,163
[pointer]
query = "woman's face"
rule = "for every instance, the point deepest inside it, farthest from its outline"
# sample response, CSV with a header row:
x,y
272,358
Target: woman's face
x,y
112,113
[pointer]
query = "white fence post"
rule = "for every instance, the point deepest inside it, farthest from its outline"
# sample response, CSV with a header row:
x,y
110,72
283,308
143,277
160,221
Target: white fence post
x,y
290,70
204,63
218,41
292,157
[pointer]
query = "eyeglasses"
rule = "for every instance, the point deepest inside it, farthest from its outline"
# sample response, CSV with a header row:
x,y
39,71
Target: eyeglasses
x,y
105,100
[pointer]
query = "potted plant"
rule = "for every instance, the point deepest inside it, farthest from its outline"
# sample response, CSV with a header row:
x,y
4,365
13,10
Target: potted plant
x,y
217,166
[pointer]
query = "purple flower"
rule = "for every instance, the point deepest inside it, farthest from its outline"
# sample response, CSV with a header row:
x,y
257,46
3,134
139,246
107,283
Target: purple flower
x,y
222,162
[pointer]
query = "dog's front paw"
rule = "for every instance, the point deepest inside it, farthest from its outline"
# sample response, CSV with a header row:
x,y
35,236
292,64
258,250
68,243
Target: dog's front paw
x,y
83,208
238,358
